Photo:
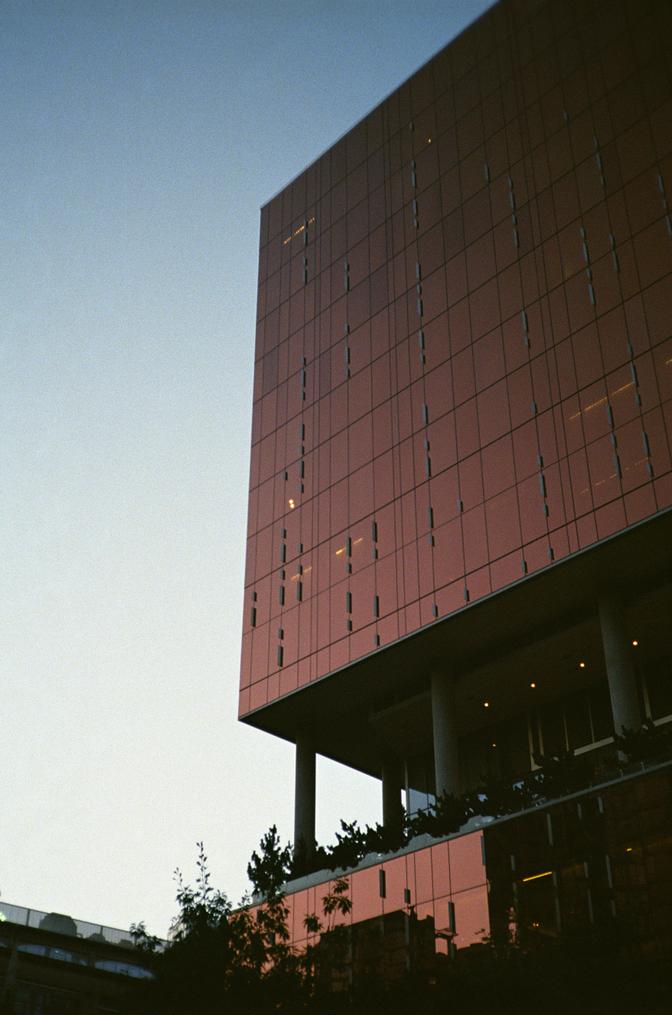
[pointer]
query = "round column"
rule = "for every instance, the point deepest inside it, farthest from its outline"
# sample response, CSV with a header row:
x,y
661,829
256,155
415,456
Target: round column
x,y
392,809
444,728
304,796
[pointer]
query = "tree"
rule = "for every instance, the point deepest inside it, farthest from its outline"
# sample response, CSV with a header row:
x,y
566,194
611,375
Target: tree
x,y
221,959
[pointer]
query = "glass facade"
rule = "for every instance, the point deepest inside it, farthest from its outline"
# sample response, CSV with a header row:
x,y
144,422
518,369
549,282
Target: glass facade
x,y
52,963
601,860
598,862
464,352
445,883
462,431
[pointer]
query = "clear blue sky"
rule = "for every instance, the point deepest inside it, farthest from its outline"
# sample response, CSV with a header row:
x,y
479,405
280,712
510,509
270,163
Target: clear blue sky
x,y
139,140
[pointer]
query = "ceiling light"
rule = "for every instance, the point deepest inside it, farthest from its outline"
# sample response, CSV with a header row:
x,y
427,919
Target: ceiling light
x,y
582,665
486,704
533,685
635,642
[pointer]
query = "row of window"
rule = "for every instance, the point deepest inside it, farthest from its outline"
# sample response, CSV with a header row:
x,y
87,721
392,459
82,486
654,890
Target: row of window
x,y
477,281
584,191
438,362
511,478
367,418
510,517
73,957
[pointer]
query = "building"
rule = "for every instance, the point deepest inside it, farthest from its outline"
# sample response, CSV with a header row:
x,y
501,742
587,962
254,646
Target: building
x,y
459,537
50,962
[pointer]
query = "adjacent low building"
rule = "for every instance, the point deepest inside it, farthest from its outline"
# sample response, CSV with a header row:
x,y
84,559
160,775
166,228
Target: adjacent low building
x,y
50,962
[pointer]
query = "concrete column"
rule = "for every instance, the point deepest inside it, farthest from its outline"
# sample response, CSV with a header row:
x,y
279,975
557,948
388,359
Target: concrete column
x,y
304,796
392,809
620,667
444,726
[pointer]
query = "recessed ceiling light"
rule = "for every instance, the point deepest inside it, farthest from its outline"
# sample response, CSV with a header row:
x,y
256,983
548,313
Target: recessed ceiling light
x,y
582,665
533,685
635,642
486,704
493,744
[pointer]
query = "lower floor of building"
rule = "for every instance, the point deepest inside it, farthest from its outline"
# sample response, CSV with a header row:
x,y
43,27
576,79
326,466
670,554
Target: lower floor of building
x,y
596,863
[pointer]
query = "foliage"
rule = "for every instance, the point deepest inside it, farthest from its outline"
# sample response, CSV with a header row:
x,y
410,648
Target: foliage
x,y
142,940
450,813
236,960
350,848
650,743
561,773
202,908
269,871
334,902
326,960
558,774
221,959
496,797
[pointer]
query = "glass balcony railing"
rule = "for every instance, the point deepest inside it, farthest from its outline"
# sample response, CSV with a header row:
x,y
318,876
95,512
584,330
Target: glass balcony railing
x,y
59,923
86,938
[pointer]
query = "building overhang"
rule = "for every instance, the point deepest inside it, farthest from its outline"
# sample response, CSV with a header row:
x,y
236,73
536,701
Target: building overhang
x,y
553,612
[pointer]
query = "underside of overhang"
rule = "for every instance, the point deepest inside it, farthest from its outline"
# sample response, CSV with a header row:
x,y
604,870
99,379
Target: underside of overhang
x,y
541,627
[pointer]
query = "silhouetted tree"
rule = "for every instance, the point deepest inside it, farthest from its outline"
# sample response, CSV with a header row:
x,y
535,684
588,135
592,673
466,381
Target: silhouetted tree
x,y
221,959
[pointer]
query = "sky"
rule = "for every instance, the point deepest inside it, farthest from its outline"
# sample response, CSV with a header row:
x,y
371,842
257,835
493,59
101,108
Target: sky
x,y
140,139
